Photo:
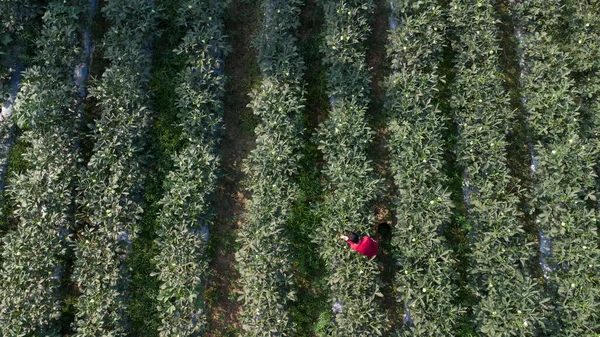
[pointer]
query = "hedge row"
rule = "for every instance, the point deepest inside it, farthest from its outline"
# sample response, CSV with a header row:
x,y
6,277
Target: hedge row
x,y
344,139
511,302
565,179
186,207
425,275
33,256
584,44
111,184
264,257
16,24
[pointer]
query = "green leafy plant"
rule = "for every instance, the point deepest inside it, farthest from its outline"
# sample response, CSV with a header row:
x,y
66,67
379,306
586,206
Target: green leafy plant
x,y
109,194
182,266
425,278
18,20
264,257
33,253
565,179
511,302
350,185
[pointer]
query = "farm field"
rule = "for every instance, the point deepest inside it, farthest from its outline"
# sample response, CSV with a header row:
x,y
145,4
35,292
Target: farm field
x,y
174,168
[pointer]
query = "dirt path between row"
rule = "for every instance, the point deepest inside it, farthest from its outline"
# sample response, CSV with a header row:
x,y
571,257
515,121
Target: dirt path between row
x,y
241,71
379,69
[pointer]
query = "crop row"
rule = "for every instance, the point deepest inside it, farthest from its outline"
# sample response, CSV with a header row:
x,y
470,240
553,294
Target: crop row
x,y
8,90
424,279
110,189
9,21
264,255
510,299
15,23
16,18
16,32
344,139
186,207
564,181
33,255
584,44
6,124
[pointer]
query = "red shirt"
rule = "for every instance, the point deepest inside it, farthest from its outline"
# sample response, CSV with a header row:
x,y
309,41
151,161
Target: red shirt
x,y
367,246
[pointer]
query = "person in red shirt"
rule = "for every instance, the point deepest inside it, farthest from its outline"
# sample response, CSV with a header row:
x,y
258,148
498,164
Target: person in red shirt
x,y
366,246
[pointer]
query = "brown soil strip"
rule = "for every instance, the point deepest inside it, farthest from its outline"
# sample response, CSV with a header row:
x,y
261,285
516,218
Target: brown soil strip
x,y
377,61
519,159
383,208
310,44
241,71
308,267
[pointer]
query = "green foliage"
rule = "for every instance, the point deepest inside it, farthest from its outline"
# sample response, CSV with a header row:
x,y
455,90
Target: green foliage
x,y
18,25
185,209
565,178
33,253
19,31
277,51
584,46
425,278
511,302
264,257
17,13
7,138
346,31
350,186
111,184
309,268
143,310
323,323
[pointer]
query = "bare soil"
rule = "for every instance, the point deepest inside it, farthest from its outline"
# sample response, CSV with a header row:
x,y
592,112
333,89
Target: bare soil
x,y
377,62
308,267
383,208
238,139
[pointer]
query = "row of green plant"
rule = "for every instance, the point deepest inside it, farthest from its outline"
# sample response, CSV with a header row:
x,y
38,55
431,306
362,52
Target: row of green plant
x,y
584,42
264,256
425,279
111,185
5,47
564,181
584,26
16,24
186,210
510,300
18,33
17,14
17,30
350,184
8,32
6,89
33,255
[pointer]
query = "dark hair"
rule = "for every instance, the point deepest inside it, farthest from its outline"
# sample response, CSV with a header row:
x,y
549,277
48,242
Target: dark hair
x,y
352,237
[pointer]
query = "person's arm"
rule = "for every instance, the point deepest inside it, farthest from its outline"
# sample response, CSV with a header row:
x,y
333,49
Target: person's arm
x,y
352,244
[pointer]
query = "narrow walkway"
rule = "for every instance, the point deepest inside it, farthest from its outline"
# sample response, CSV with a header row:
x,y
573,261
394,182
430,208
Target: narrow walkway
x,y
519,160
384,210
457,231
166,134
241,71
308,267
